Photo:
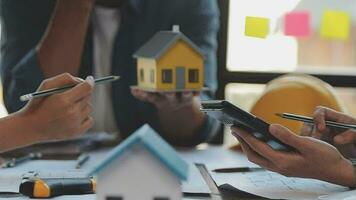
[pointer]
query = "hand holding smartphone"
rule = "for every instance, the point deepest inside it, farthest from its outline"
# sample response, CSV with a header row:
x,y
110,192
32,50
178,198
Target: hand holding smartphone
x,y
231,115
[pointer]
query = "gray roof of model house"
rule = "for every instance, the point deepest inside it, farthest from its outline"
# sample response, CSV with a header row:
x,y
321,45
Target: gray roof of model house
x,y
161,42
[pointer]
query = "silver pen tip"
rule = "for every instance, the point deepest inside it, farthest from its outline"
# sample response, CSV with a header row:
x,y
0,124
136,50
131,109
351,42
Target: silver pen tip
x,y
26,97
279,114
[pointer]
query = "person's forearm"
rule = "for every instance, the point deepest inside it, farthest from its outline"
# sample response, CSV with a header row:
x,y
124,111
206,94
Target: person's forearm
x,y
181,125
60,49
15,132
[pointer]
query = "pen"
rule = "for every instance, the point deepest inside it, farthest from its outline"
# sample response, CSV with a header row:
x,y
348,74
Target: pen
x,y
238,169
81,160
45,93
17,161
311,121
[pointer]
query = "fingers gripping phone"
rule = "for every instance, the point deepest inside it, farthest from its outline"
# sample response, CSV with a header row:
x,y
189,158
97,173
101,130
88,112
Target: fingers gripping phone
x,y
231,115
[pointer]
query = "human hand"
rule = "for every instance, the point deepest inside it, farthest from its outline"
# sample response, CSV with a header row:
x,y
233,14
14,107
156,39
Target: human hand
x,y
62,116
179,114
343,139
312,159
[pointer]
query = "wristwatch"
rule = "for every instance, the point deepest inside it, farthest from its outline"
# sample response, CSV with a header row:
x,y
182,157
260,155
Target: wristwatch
x,y
353,161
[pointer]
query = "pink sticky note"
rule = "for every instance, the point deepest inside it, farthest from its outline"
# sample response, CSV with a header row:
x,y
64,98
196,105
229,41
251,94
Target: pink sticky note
x,y
297,24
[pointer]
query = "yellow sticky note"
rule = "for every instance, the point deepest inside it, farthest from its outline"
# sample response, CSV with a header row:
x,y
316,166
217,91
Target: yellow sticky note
x,y
257,27
335,25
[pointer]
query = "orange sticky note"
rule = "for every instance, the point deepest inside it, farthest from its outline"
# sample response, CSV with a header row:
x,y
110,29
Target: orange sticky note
x,y
257,27
335,25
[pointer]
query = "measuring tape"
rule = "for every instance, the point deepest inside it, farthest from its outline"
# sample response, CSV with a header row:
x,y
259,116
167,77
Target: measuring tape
x,y
52,187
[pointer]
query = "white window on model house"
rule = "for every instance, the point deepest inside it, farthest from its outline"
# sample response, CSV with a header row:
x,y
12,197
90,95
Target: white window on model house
x,y
167,76
193,75
142,75
152,76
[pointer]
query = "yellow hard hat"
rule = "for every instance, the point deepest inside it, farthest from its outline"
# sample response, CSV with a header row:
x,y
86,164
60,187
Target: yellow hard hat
x,y
298,94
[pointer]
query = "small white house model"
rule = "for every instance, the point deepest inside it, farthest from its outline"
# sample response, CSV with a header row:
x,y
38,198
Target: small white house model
x,y
143,167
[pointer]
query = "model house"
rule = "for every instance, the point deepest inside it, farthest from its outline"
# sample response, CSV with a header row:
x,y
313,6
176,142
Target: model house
x,y
170,61
143,167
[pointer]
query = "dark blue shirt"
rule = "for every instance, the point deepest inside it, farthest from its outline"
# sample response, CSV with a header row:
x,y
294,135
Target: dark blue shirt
x,y
24,23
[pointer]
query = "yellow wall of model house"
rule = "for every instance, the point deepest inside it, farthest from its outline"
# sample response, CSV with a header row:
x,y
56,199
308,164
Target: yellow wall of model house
x,y
146,65
180,55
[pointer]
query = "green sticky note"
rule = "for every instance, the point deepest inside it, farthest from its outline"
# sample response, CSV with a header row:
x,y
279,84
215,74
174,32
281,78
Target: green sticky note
x,y
335,25
257,27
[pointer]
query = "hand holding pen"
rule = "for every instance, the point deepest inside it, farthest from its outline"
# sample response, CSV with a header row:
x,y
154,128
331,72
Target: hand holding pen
x,y
331,126
60,116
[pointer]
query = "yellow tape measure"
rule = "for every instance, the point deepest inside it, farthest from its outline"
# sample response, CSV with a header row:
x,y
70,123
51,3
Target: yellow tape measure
x,y
52,187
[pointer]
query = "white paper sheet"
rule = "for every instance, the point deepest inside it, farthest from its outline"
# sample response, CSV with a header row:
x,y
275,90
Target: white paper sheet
x,y
215,157
195,183
212,157
272,185
9,182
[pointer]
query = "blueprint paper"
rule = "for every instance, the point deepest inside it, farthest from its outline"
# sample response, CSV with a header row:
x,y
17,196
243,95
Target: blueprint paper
x,y
275,186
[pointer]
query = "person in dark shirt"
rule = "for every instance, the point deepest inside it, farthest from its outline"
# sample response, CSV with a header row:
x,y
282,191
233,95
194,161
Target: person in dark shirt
x,y
44,38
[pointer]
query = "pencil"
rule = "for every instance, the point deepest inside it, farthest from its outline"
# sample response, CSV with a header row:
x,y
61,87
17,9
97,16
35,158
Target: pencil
x,y
81,160
45,93
238,169
311,121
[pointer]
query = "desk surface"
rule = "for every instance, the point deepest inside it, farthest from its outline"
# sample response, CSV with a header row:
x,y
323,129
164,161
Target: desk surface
x,y
56,166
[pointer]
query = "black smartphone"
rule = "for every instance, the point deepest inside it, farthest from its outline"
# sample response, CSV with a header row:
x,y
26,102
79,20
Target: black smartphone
x,y
230,115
